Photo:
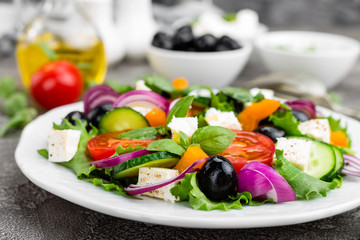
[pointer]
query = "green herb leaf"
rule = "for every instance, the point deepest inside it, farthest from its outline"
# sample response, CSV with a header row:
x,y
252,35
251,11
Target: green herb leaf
x,y
287,121
213,139
158,84
180,109
166,145
118,86
304,185
120,150
7,86
239,94
14,103
48,51
44,153
19,120
143,133
222,103
184,140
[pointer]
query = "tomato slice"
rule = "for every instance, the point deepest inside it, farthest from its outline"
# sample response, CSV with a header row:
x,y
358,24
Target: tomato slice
x,y
104,145
249,147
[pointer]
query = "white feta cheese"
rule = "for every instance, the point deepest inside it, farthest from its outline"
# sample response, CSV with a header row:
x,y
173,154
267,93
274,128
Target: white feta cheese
x,y
142,110
318,129
63,144
296,151
187,125
140,85
268,93
215,117
155,175
202,92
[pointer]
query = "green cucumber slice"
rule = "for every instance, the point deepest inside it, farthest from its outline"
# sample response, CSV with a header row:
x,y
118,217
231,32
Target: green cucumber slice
x,y
122,118
339,164
322,159
131,167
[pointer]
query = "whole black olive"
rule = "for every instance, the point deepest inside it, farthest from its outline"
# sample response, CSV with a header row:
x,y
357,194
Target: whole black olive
x,y
301,116
239,106
205,43
96,113
271,132
183,39
226,43
161,40
265,121
217,178
76,115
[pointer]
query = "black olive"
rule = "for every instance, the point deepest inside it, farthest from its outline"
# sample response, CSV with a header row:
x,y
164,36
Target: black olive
x,y
226,43
161,40
217,178
205,43
76,115
265,121
301,116
239,106
183,39
96,113
271,132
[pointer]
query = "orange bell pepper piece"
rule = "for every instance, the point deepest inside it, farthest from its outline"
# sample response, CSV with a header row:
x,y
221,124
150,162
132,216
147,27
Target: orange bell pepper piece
x,y
192,154
156,117
338,138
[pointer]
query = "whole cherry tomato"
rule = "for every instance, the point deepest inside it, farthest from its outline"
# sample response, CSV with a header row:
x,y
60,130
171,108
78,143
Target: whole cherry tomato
x,y
56,83
249,147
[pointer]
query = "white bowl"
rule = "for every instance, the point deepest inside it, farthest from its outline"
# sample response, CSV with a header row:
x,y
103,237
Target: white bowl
x,y
214,69
328,57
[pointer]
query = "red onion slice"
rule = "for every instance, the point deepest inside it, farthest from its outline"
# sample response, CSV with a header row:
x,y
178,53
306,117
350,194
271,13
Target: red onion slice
x,y
98,95
139,189
142,98
113,161
264,182
351,165
306,106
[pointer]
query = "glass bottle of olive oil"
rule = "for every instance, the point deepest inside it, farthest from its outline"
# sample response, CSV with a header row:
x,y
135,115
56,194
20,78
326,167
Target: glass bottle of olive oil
x,y
61,32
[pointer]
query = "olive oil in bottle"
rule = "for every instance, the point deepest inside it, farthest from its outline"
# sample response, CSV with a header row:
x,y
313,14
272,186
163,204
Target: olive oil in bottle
x,y
61,33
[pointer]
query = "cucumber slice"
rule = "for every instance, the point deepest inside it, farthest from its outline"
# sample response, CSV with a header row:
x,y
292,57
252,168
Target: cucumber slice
x,y
339,164
322,159
120,119
131,167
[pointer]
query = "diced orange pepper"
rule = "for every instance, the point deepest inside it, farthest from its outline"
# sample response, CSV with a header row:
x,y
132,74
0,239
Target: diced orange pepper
x,y
338,138
252,115
192,154
180,83
156,118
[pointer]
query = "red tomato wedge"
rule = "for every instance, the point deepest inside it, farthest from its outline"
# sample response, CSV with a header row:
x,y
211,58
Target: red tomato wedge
x,y
249,147
104,145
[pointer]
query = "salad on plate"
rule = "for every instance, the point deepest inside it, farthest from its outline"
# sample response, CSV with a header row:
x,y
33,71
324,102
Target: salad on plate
x,y
215,148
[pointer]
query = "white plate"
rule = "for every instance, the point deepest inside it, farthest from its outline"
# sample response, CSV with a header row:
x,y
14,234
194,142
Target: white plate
x,y
63,183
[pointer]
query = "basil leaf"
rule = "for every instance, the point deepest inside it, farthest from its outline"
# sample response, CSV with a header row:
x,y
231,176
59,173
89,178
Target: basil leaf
x,y
180,109
119,87
239,94
158,84
142,133
213,139
258,97
222,103
184,140
43,152
167,145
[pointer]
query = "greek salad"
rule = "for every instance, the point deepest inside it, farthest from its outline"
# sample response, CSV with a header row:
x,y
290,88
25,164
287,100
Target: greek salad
x,y
215,148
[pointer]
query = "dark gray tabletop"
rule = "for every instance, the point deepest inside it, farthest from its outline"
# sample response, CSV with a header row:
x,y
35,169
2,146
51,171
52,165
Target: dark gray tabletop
x,y
29,212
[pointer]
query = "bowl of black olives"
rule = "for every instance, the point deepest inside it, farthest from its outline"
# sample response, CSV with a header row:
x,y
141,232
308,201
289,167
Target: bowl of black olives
x,y
206,59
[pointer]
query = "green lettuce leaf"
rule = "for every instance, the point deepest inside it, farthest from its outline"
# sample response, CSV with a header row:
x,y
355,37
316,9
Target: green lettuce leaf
x,y
120,150
287,121
188,190
305,186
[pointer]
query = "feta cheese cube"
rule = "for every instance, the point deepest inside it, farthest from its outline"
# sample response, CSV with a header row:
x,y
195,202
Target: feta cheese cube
x,y
215,117
268,93
318,129
155,175
188,125
140,85
63,144
296,151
